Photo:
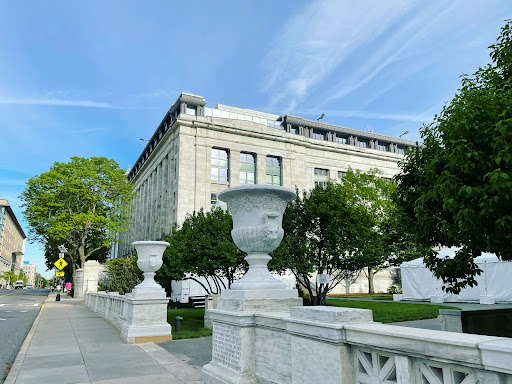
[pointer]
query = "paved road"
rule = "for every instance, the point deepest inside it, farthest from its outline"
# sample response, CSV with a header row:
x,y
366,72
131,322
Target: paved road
x,y
18,310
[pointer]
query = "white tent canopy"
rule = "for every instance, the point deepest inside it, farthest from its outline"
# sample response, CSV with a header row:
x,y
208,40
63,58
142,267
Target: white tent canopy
x,y
418,282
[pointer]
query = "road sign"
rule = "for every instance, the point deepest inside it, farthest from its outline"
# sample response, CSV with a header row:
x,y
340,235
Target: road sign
x,y
59,274
61,263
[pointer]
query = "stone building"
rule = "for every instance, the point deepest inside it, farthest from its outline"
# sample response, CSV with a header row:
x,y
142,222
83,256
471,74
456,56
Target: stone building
x,y
12,241
30,271
197,151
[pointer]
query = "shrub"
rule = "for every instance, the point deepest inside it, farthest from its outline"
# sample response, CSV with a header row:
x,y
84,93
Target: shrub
x,y
395,288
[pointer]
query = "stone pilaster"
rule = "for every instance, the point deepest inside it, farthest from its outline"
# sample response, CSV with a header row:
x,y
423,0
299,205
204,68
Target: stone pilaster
x,y
234,167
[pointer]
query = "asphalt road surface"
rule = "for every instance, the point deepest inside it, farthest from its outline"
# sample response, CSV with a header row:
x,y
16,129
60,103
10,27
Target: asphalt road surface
x,y
18,310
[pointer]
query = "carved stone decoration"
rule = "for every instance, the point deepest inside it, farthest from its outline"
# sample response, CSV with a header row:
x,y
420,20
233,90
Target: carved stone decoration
x,y
257,212
149,260
445,374
373,367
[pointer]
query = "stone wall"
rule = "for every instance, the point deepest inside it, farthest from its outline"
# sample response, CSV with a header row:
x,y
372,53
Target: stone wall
x,y
342,345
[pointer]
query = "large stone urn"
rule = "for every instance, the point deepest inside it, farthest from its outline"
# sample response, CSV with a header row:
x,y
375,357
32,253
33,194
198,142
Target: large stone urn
x,y
149,260
146,306
257,212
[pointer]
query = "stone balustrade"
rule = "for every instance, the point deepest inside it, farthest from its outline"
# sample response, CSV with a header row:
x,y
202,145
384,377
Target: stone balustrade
x,y
343,345
110,305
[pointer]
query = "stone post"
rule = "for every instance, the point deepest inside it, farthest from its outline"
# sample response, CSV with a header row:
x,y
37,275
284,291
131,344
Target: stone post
x,y
146,312
91,276
79,284
257,212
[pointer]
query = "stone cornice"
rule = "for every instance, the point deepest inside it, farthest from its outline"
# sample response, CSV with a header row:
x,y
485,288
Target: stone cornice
x,y
299,121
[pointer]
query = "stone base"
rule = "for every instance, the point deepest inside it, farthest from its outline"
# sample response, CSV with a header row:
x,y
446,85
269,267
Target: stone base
x,y
151,339
268,300
155,293
214,374
258,305
131,334
487,299
397,297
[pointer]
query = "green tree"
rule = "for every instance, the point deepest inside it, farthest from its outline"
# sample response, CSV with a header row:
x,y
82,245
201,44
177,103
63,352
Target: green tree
x,y
41,281
82,204
124,274
203,247
324,229
456,188
52,254
387,242
23,276
9,276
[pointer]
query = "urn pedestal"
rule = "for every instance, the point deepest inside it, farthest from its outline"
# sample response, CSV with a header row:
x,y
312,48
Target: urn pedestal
x,y
146,305
257,212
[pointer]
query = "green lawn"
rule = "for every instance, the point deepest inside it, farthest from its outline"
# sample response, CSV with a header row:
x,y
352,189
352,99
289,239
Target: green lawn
x,y
392,312
375,296
384,312
191,325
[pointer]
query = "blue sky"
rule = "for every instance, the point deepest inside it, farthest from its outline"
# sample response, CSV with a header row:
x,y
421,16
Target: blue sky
x,y
92,78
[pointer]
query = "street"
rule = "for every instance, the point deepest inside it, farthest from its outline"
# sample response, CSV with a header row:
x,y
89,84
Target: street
x,y
18,310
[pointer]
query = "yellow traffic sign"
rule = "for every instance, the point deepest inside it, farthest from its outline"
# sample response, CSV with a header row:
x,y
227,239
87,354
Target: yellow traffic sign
x,y
61,263
59,274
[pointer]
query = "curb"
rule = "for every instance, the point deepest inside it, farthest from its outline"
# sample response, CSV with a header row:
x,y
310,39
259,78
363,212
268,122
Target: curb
x,y
20,357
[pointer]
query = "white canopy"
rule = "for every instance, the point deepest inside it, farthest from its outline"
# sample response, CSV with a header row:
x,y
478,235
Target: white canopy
x,y
418,282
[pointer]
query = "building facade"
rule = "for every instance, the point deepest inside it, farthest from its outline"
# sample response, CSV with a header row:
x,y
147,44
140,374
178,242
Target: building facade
x,y
12,241
30,272
197,151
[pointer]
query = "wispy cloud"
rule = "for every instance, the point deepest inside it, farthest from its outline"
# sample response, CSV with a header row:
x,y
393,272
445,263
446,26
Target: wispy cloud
x,y
159,93
12,182
333,48
55,101
320,38
87,130
396,48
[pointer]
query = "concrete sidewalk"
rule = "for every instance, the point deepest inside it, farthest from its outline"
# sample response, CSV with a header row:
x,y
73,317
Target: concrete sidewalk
x,y
69,344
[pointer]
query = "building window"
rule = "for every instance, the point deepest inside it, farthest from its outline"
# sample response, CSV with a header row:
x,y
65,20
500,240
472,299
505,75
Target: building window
x,y
247,168
381,147
273,172
341,174
400,151
321,177
215,202
318,136
191,111
341,140
361,144
220,168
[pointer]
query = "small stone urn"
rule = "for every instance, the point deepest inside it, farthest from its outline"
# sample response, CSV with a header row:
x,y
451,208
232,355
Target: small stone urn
x,y
149,260
257,212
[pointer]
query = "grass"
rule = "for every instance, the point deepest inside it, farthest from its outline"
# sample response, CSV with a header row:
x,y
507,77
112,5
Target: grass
x,y
375,296
386,312
392,312
191,325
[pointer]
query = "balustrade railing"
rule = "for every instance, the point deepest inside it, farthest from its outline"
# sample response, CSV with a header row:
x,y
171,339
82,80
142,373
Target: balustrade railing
x,y
111,306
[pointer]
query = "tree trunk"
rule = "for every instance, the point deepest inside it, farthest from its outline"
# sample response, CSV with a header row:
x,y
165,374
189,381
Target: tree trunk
x,y
371,273
81,255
